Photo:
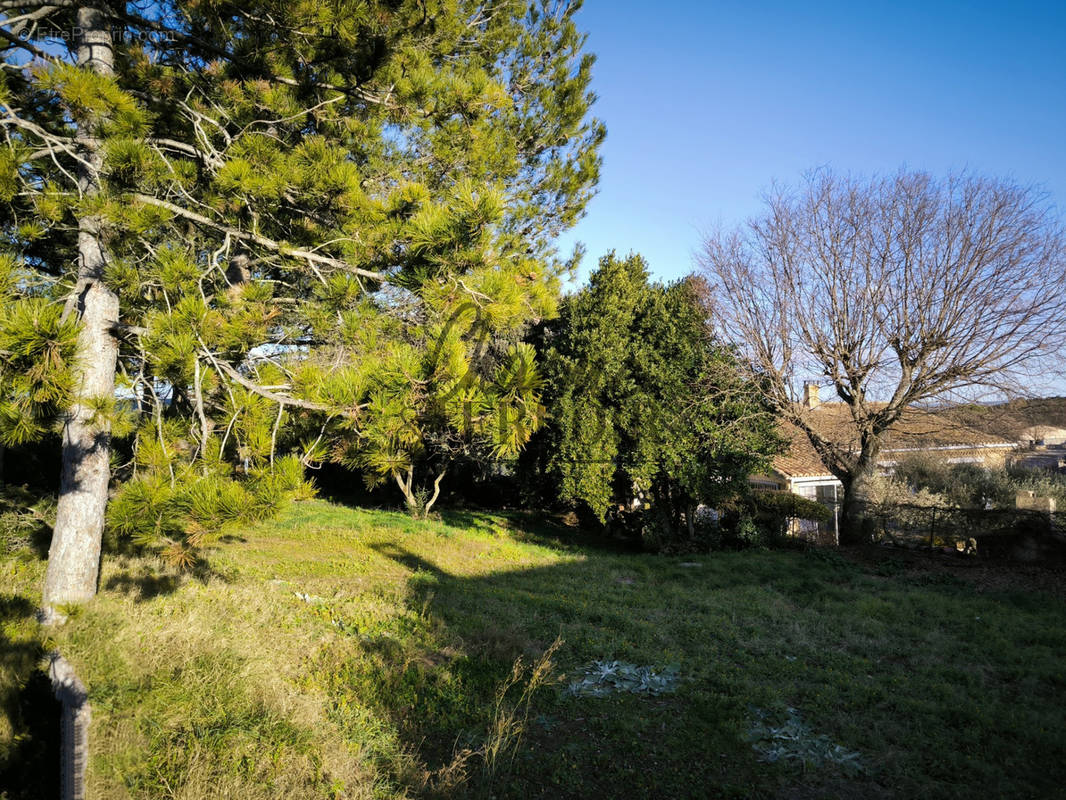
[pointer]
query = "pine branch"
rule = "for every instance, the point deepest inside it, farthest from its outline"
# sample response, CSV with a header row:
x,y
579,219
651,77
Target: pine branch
x,y
24,44
308,256
18,24
8,5
183,38
255,388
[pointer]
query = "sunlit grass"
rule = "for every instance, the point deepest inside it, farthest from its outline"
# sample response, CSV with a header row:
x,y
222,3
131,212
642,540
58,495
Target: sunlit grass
x,y
342,653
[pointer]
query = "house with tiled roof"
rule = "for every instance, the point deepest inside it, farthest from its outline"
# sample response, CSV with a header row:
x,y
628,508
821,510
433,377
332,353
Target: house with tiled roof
x,y
1042,436
800,469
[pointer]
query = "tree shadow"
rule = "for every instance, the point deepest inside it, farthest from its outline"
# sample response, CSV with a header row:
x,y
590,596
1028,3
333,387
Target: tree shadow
x,y
29,760
409,560
770,613
143,585
142,582
625,746
538,527
232,538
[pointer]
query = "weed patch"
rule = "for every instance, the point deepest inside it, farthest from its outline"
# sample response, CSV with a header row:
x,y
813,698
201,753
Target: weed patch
x,y
793,742
606,677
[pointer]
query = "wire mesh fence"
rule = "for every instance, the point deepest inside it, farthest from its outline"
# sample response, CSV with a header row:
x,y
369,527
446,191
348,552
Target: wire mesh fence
x,y
1026,534
989,531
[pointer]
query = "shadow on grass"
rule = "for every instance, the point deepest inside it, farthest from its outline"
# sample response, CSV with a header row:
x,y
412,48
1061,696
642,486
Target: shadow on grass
x,y
29,759
624,746
538,527
756,629
232,538
40,540
146,583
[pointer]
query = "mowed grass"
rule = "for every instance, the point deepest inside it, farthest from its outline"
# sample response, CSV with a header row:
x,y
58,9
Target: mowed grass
x,y
343,653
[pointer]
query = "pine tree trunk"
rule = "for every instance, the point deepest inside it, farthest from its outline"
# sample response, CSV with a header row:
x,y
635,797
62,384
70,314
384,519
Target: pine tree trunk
x,y
405,487
74,555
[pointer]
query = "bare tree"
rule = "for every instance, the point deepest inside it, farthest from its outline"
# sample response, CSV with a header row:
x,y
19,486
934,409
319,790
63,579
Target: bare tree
x,y
894,291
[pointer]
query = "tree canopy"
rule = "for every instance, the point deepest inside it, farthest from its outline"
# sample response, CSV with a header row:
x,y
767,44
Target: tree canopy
x,y
285,227
893,290
645,404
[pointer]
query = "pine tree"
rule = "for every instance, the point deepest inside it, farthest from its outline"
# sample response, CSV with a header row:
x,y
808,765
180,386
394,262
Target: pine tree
x,y
256,220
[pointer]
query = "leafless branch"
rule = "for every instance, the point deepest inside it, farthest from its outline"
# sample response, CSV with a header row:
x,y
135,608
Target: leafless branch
x,y
894,291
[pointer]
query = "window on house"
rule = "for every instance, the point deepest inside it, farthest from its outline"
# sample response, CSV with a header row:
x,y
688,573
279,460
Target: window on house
x,y
827,493
765,485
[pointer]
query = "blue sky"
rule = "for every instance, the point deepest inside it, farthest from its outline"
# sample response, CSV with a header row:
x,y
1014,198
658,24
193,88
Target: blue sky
x,y
708,103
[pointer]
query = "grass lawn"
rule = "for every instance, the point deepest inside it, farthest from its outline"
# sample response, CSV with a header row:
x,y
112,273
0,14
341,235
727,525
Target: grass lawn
x,y
342,653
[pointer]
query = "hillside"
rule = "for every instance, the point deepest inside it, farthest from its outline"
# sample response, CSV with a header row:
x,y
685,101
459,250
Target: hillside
x,y
1011,418
339,653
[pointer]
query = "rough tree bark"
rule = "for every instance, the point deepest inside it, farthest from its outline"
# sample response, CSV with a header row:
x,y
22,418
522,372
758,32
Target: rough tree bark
x,y
854,524
74,555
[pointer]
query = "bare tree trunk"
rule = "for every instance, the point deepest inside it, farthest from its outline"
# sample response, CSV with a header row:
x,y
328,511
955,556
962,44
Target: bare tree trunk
x,y
74,555
405,487
436,491
855,525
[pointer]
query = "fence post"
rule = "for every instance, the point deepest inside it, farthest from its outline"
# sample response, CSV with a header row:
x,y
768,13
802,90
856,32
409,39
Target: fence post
x,y
76,715
932,529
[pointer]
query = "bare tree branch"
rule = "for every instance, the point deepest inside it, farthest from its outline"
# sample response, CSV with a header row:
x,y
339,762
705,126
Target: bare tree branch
x,y
894,291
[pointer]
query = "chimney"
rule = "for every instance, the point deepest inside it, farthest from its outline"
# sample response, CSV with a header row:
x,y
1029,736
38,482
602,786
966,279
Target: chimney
x,y
810,395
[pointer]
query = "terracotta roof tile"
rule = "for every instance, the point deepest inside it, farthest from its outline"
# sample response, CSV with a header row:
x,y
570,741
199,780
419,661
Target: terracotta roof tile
x,y
801,460
917,430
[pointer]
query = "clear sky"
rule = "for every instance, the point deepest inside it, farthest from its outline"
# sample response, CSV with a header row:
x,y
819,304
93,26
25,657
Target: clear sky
x,y
707,103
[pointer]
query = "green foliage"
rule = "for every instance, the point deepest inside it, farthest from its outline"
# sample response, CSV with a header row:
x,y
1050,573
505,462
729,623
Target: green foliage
x,y
787,504
95,100
456,391
37,369
178,500
644,402
766,516
327,226
747,532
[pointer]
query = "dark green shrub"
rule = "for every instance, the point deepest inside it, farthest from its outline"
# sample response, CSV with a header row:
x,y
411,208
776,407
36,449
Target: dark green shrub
x,y
772,512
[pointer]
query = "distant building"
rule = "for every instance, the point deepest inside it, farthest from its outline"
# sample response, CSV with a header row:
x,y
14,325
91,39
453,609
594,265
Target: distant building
x,y
801,470
1042,436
